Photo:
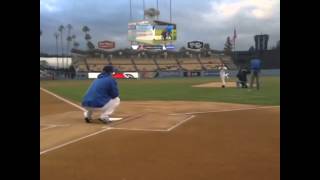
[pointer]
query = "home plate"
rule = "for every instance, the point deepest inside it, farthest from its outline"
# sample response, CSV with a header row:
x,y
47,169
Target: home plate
x,y
115,119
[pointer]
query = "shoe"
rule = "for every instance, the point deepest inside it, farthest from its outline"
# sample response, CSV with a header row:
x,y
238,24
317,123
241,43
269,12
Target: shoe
x,y
105,121
87,120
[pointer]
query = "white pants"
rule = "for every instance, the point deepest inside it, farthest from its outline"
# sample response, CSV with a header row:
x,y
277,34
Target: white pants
x,y
107,109
223,77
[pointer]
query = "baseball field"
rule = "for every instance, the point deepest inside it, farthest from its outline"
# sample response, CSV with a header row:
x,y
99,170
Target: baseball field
x,y
175,128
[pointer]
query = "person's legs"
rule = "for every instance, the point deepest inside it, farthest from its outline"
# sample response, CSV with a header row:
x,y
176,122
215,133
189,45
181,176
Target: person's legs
x,y
108,109
252,79
88,114
257,80
245,84
223,80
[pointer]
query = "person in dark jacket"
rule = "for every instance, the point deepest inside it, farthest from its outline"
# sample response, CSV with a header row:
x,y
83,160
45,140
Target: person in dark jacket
x,y
102,95
242,76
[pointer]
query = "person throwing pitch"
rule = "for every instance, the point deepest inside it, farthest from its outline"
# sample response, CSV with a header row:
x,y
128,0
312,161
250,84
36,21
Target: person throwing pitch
x,y
102,95
223,75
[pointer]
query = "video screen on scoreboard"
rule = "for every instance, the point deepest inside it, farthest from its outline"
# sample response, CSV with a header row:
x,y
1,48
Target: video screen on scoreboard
x,y
152,32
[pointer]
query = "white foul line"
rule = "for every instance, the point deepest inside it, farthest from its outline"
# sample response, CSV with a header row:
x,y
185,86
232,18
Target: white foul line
x,y
227,110
63,99
73,141
49,127
156,130
52,126
178,124
137,129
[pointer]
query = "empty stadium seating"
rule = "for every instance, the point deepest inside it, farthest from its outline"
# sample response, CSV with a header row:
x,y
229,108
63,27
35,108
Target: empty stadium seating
x,y
210,60
191,66
121,61
152,65
188,61
166,61
143,61
210,63
124,67
168,64
146,67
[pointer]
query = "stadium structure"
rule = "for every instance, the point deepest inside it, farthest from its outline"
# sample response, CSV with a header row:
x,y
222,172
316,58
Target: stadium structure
x,y
150,61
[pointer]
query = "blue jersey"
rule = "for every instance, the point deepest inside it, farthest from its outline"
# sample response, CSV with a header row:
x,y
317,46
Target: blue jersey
x,y
255,64
169,28
101,91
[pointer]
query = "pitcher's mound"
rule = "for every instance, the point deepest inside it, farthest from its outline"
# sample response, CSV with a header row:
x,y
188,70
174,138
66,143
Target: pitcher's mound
x,y
216,85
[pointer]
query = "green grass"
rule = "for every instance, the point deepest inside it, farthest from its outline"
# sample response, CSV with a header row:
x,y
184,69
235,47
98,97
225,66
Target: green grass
x,y
175,89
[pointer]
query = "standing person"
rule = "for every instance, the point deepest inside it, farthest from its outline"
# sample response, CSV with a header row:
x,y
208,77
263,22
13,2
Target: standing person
x,y
223,74
169,31
255,71
102,95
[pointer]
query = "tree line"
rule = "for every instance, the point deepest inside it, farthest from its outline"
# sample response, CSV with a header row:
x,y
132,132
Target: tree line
x,y
70,38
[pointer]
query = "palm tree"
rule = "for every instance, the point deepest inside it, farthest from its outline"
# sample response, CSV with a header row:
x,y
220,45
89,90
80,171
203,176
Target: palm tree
x,y
85,29
61,28
69,38
56,35
73,37
76,44
87,37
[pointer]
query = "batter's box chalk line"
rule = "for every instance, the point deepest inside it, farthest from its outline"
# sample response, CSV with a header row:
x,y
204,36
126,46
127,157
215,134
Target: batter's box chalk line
x,y
115,119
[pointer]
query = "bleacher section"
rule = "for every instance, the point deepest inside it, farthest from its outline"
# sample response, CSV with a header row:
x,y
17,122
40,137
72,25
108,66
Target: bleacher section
x,y
147,67
143,65
210,63
96,64
123,64
124,67
188,61
121,61
190,64
168,64
191,67
143,61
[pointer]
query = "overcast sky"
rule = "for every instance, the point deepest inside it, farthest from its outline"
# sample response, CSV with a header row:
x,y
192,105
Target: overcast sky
x,y
211,21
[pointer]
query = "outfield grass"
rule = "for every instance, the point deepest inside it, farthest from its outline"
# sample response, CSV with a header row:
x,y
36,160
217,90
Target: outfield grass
x,y
175,89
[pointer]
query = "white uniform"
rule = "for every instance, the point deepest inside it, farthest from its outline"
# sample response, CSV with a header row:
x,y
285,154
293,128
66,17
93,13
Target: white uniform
x,y
223,74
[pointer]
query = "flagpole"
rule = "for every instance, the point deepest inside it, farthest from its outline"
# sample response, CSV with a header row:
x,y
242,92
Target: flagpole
x,y
234,42
235,48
